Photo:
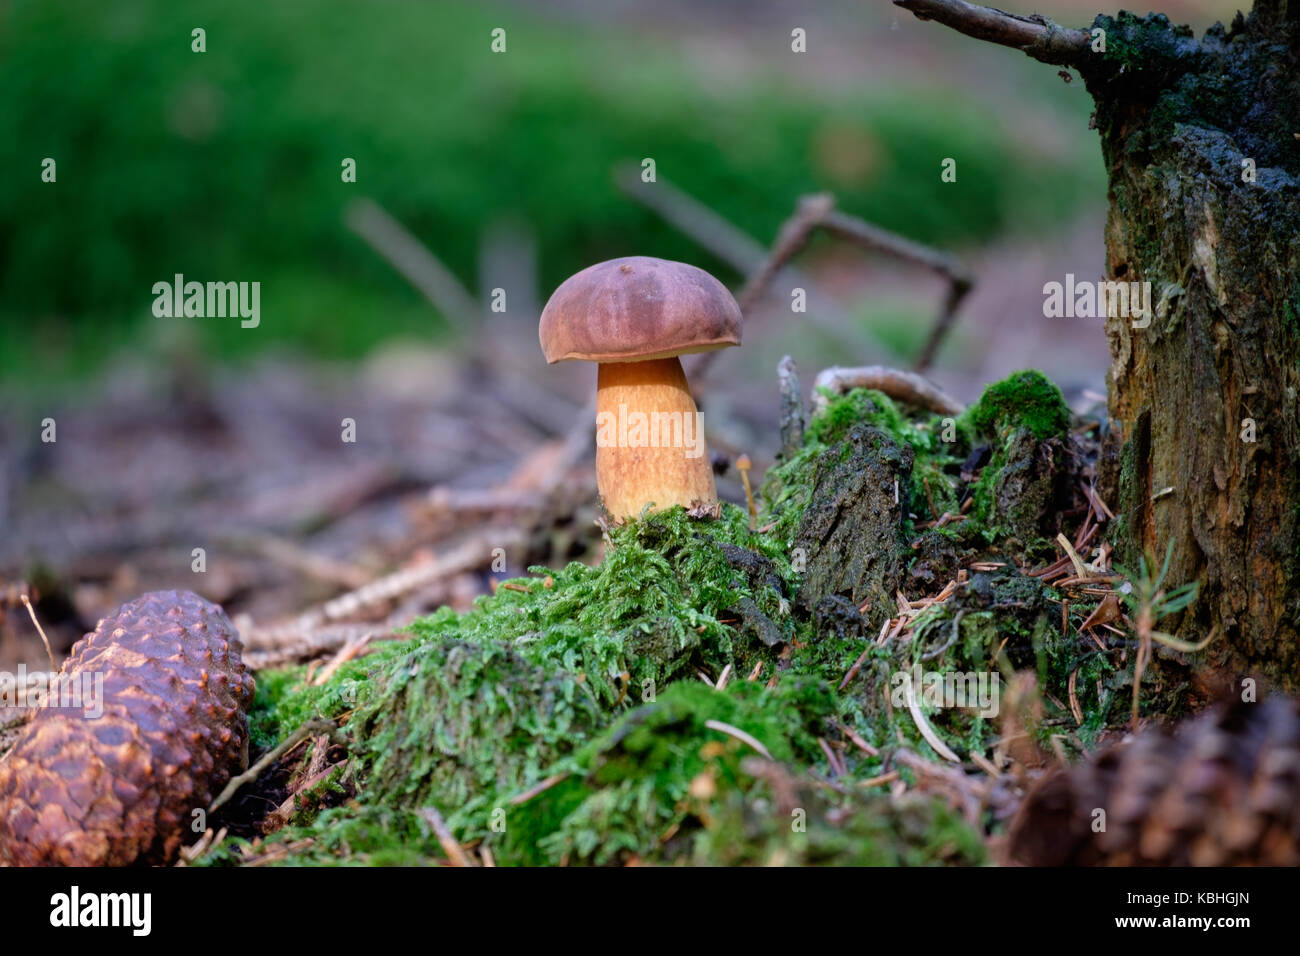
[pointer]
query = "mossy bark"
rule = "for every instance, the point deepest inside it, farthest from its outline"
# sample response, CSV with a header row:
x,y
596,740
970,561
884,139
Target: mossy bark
x,y
1178,119
852,530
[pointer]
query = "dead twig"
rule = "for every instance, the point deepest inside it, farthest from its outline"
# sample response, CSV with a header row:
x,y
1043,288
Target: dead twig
x,y
539,788
473,552
739,734
294,556
407,255
818,212
449,844
856,740
308,729
904,386
864,234
923,725
346,653
742,252
27,603
1034,35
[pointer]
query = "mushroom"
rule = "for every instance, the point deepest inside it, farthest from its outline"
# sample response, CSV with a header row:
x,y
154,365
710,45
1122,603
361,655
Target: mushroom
x,y
635,316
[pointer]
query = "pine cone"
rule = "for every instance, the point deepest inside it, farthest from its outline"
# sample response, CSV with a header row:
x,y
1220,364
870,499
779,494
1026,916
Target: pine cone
x,y
81,790
1225,791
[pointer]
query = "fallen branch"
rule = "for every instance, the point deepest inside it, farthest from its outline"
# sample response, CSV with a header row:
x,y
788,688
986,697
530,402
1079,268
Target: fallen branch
x,y
1034,35
818,212
407,255
906,387
742,252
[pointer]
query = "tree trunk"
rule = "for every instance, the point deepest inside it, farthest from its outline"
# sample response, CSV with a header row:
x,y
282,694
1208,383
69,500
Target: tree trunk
x,y
1219,364
1204,398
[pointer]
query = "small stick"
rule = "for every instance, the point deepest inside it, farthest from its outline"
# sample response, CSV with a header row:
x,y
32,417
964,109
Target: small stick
x,y
405,253
864,234
40,630
1079,567
836,770
924,726
857,665
255,771
346,653
538,789
1075,709
857,740
739,734
448,842
743,464
882,779
722,678
743,252
984,764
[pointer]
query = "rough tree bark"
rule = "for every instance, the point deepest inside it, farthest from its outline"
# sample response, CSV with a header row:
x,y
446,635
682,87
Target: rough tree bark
x,y
1219,363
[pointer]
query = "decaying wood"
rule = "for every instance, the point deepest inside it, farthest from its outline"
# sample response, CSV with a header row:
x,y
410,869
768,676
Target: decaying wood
x,y
793,417
1203,383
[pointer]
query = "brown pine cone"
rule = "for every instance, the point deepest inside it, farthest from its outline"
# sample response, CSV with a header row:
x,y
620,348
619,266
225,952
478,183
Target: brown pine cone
x,y
1225,791
81,790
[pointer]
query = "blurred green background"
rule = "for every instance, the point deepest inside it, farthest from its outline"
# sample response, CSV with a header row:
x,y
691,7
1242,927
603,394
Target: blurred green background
x,y
225,165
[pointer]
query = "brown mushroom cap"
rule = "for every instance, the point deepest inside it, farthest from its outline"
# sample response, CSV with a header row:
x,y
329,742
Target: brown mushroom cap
x,y
637,309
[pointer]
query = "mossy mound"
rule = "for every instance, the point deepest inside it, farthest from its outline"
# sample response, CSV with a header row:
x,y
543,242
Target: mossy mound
x,y
1026,400
659,606
571,717
460,720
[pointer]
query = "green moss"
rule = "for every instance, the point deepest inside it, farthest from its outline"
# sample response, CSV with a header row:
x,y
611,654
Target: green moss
x,y
635,783
656,607
283,702
457,721
755,829
939,443
562,718
1026,399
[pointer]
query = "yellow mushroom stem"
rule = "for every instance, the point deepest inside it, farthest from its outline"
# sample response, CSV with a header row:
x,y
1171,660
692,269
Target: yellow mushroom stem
x,y
650,446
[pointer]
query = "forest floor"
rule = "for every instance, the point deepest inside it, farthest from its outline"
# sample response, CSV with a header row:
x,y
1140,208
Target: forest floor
x,y
443,595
